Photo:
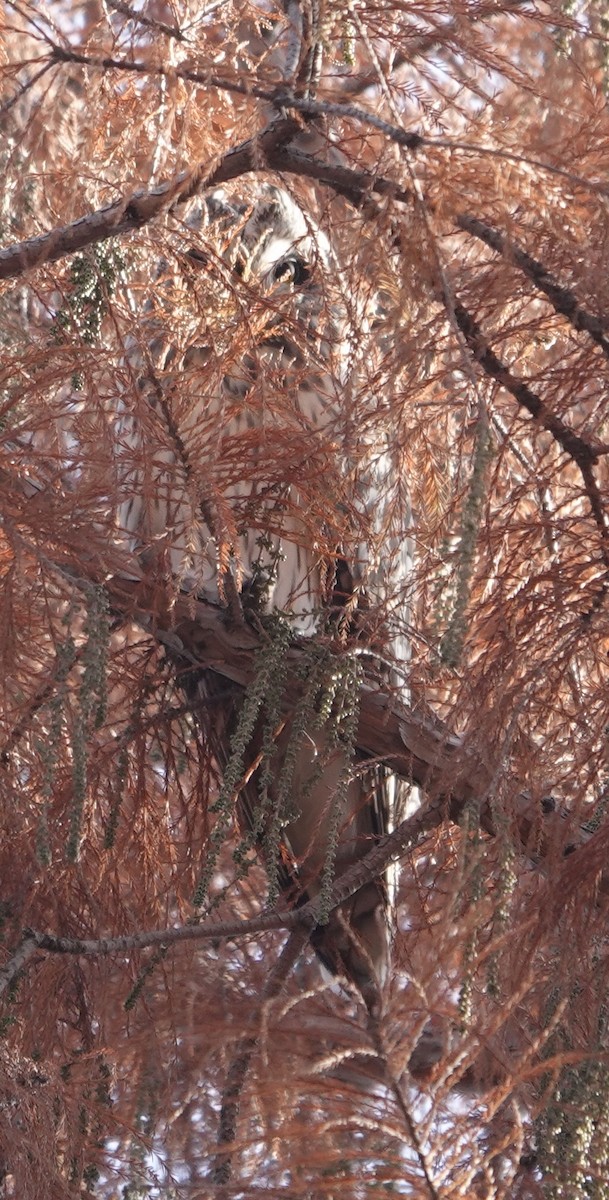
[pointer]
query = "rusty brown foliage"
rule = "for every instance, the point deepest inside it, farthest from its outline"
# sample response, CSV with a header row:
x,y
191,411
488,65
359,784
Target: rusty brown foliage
x,y
455,154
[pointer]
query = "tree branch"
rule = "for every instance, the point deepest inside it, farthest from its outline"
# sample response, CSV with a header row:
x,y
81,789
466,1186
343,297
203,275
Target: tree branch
x,y
416,747
271,149
575,446
414,744
304,918
284,98
583,454
358,187
126,10
133,212
562,299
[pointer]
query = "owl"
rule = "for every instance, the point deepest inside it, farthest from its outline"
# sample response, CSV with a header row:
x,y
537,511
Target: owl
x,y
259,469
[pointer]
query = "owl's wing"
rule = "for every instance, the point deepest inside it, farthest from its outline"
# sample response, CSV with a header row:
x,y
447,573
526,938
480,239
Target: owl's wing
x,y
253,465
340,808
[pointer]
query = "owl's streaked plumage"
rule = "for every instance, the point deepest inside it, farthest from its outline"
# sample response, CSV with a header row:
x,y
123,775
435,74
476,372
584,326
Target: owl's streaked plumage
x,y
253,456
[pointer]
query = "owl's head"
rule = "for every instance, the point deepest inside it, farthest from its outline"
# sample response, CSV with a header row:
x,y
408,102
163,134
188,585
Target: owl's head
x,y
279,244
270,242
264,248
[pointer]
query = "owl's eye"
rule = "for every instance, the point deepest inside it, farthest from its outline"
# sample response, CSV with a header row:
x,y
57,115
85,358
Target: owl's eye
x,y
293,270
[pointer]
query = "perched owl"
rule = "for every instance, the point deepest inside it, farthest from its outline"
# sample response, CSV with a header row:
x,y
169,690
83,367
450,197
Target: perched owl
x,y
262,467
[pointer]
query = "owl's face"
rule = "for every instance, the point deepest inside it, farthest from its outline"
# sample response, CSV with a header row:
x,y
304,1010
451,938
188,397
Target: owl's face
x,y
281,255
278,245
263,290
271,237
289,259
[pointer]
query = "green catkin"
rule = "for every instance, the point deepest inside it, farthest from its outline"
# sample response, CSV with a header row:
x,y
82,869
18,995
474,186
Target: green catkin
x,y
119,783
343,734
451,645
470,824
91,707
48,746
572,1131
268,661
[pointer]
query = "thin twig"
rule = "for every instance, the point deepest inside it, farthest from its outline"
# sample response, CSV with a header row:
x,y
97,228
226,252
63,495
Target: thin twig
x,y
283,98
239,1066
581,451
395,1087
359,186
126,10
25,87
303,919
26,948
562,299
403,839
